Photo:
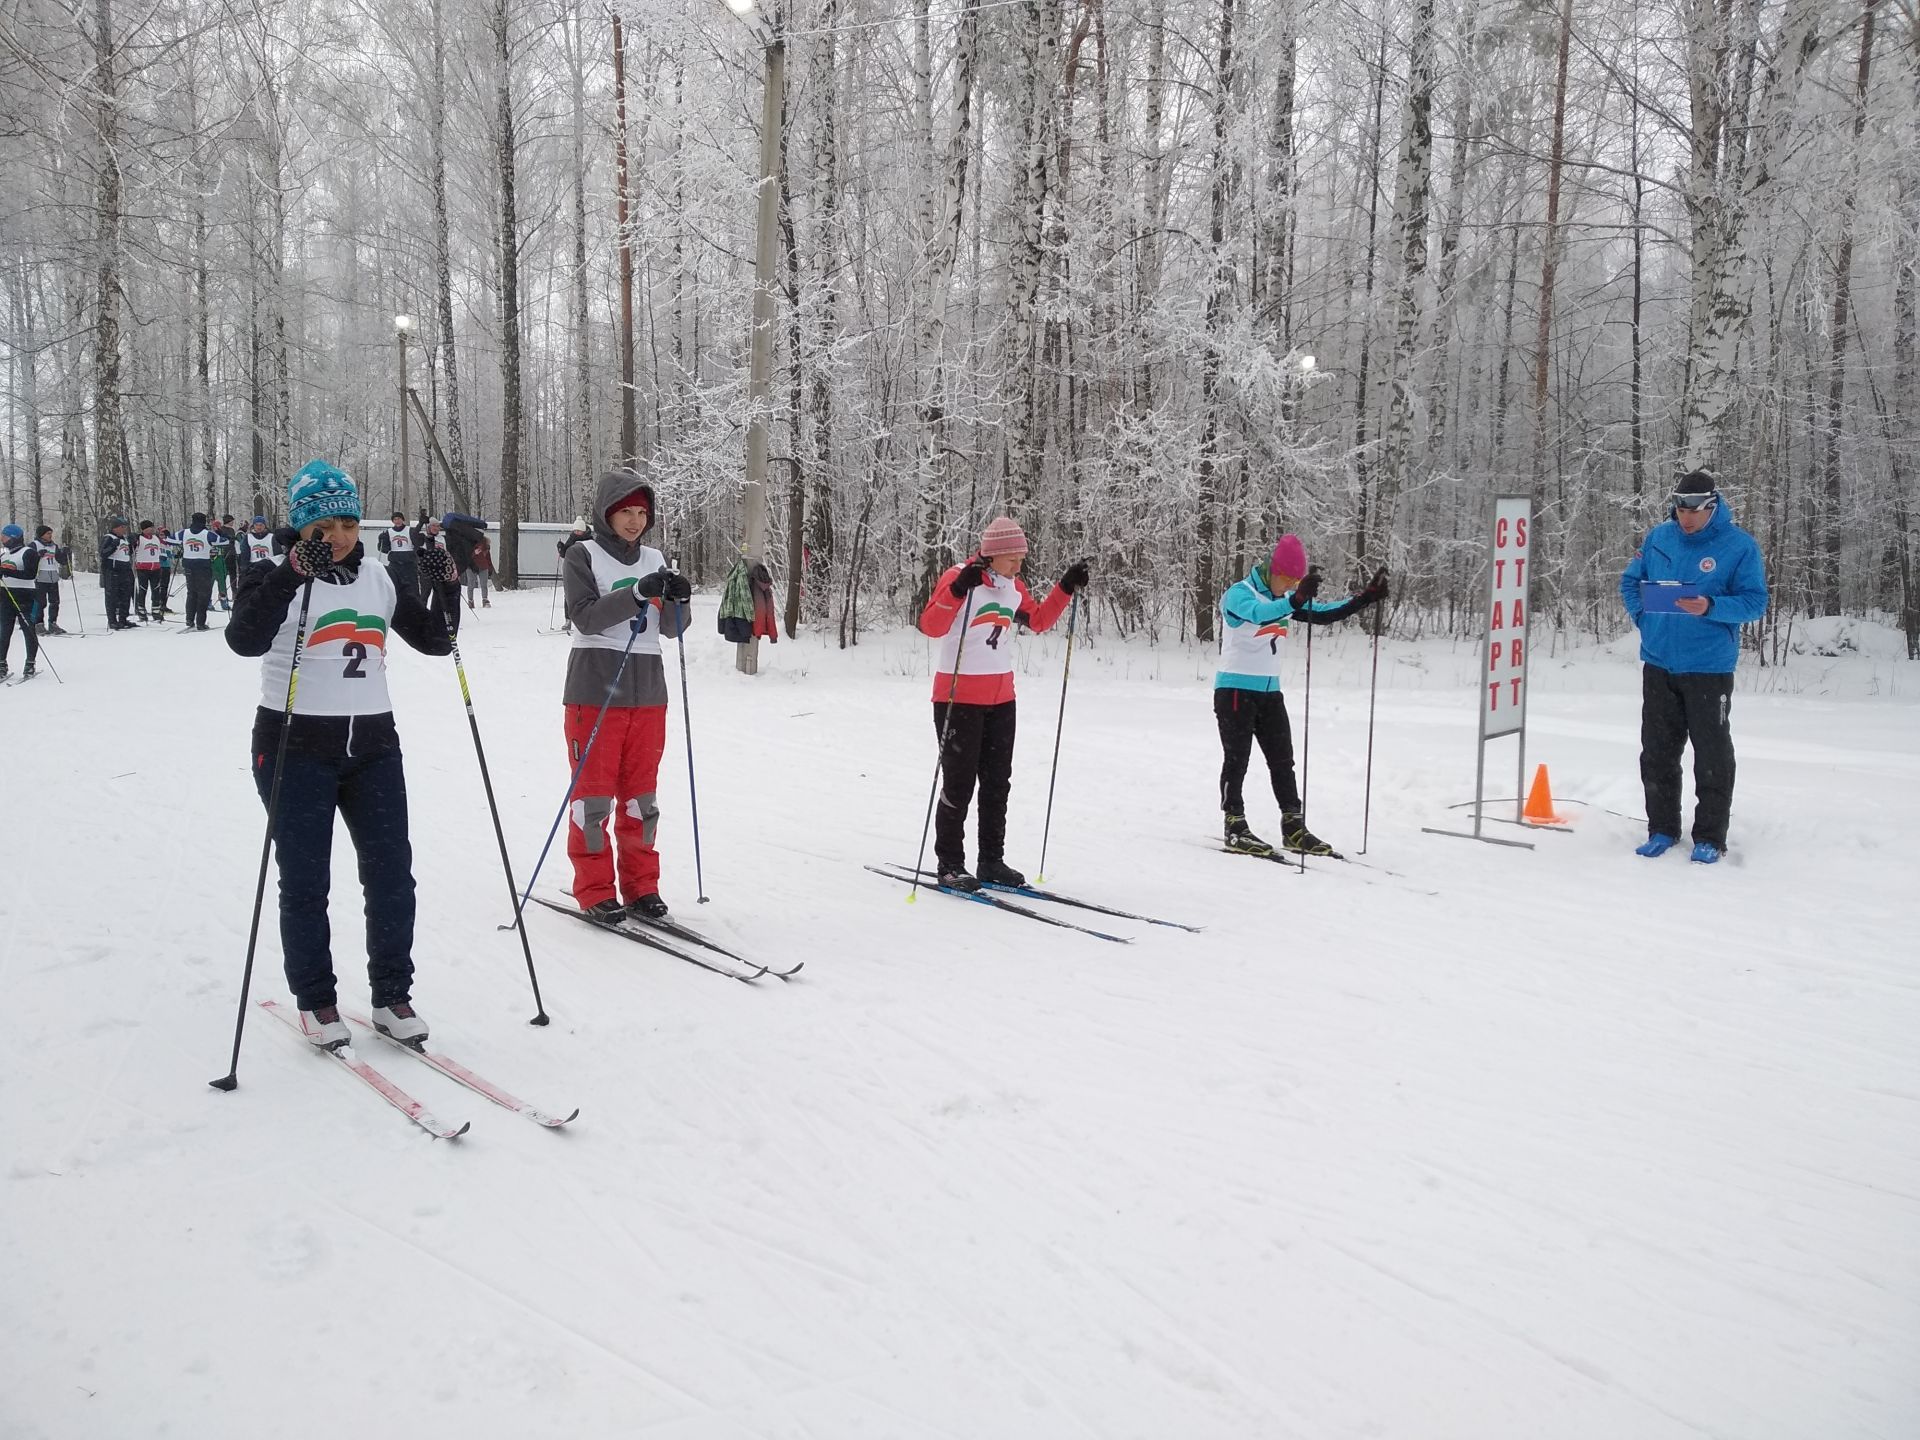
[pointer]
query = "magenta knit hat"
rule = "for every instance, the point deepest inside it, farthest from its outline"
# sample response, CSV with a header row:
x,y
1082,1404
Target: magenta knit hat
x,y
1003,537
1289,557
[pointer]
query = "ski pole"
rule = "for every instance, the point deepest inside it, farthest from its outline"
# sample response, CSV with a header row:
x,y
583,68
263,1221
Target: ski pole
x,y
36,649
686,724
939,760
78,608
493,809
1373,691
519,910
1306,742
1059,724
231,1079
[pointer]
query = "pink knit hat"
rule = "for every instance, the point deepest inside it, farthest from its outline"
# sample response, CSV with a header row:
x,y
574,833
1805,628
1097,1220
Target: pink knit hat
x,y
1289,557
1003,537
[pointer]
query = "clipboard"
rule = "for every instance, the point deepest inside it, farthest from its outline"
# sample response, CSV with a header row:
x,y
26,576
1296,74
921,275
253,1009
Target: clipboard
x,y
1659,597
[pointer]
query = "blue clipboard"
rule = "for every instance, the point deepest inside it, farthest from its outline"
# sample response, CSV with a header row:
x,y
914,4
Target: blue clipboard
x,y
1658,597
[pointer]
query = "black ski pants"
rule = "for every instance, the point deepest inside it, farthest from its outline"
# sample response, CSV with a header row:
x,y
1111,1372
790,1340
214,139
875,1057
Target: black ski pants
x,y
47,605
1245,716
118,582
1676,709
978,749
16,611
371,795
149,594
199,591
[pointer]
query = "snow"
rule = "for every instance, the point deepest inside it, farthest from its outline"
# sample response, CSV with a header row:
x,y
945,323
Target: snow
x,y
1512,1143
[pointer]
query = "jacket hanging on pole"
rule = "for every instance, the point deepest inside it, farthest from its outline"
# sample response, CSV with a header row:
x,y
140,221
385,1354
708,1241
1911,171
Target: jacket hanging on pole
x,y
760,580
736,606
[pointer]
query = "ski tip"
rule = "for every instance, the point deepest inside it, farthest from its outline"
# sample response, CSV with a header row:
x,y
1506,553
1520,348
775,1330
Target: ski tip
x,y
465,1126
565,1120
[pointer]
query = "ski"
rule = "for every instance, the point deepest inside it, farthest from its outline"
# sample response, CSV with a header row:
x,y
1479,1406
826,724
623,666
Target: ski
x,y
1291,859
625,931
460,1075
387,1090
1034,892
981,897
694,937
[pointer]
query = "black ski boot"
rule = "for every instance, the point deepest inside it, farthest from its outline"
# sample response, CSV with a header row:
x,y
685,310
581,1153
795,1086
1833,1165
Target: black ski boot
x,y
1240,838
1299,839
955,877
648,907
998,872
608,911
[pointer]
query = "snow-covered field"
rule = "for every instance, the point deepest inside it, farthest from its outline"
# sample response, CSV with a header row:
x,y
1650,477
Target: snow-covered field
x,y
1537,1144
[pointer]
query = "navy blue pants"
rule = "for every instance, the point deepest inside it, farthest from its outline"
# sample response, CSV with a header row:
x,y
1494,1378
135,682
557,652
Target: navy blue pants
x,y
371,795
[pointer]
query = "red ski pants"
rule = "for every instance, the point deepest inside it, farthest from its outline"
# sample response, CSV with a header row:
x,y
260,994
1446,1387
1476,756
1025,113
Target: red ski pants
x,y
617,783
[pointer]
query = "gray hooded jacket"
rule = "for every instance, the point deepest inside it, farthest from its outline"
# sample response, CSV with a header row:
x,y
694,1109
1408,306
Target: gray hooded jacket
x,y
590,672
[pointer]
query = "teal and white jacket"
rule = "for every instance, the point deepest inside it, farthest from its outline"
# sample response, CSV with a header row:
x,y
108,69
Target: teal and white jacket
x,y
1253,622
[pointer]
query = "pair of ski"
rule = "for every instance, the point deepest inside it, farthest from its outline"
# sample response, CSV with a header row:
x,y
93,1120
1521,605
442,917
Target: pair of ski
x,y
378,1081
661,934
992,894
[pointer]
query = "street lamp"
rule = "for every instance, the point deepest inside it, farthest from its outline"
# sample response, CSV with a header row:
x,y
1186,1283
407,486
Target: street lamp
x,y
402,492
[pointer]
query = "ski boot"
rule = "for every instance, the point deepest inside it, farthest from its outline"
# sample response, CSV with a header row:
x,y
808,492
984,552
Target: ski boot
x,y
647,907
325,1029
608,911
4,672
955,877
1299,839
30,672
1240,838
53,629
1655,846
1705,852
398,1022
998,872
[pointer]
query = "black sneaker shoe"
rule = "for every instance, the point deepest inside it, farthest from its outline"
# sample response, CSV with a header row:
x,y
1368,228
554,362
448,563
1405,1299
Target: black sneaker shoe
x,y
648,907
956,878
608,910
998,872
1239,837
1299,839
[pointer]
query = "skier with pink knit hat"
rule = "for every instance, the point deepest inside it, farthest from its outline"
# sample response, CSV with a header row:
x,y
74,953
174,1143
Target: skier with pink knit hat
x,y
1247,703
972,612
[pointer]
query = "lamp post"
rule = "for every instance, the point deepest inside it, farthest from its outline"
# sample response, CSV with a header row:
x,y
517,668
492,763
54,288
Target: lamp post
x,y
403,493
753,493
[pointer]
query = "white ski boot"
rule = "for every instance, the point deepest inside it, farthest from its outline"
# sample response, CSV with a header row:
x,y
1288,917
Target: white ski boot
x,y
400,1023
324,1028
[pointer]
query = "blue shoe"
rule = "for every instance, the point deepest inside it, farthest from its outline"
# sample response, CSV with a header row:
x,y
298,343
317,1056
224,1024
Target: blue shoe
x,y
1656,845
1705,852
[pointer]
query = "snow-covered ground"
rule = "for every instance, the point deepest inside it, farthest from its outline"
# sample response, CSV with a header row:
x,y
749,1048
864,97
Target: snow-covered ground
x,y
1537,1144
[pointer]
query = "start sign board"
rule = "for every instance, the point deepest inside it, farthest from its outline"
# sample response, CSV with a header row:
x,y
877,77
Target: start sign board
x,y
1503,682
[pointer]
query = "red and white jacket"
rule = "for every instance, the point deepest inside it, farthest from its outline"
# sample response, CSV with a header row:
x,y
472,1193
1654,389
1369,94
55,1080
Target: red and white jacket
x,y
982,655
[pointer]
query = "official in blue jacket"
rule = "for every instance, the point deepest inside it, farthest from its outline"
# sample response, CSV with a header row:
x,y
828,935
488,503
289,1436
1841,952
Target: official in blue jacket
x,y
1688,655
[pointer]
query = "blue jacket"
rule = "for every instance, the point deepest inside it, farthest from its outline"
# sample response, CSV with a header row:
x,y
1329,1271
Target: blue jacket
x,y
1725,563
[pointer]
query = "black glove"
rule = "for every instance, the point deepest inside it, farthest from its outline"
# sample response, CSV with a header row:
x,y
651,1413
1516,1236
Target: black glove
x,y
1376,590
662,583
1304,592
972,574
675,587
1076,577
311,558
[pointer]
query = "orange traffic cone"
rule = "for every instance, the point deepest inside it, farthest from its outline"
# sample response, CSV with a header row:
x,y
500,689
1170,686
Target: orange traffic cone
x,y
1539,809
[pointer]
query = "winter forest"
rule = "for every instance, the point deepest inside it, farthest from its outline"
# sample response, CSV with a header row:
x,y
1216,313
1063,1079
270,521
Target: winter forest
x,y
1159,278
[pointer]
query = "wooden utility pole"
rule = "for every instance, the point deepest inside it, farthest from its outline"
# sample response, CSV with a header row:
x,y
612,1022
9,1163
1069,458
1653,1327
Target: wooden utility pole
x,y
629,427
753,493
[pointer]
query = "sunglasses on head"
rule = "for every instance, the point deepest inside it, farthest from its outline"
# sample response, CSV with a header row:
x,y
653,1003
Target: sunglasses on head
x,y
1697,502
